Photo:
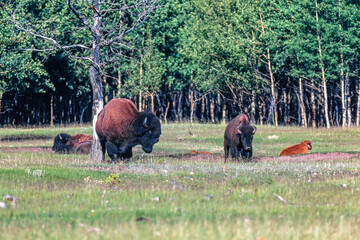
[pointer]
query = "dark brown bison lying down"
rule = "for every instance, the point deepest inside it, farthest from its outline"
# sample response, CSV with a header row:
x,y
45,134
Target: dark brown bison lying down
x,y
121,126
65,143
300,148
238,138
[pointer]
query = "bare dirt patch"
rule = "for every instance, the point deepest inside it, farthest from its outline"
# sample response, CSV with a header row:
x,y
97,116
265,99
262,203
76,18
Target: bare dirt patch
x,y
12,138
312,157
27,149
297,158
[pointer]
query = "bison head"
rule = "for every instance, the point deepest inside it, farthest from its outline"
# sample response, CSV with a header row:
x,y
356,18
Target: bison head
x,y
148,130
60,145
307,143
246,133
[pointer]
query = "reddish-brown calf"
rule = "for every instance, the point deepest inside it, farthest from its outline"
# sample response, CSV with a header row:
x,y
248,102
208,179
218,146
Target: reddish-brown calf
x,y
300,148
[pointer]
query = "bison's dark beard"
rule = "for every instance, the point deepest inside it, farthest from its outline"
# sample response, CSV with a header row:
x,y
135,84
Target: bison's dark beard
x,y
147,149
247,155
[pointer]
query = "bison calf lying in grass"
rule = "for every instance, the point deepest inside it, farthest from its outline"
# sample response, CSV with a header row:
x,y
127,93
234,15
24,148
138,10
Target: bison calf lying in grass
x,y
300,148
121,126
238,138
65,143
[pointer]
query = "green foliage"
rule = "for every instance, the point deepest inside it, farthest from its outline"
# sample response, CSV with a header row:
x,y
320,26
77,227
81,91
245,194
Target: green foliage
x,y
19,70
113,180
225,46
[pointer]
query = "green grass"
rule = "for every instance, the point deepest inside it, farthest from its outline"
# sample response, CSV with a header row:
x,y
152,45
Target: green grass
x,y
181,197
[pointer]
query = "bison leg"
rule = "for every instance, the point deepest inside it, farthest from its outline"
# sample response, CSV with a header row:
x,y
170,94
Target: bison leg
x,y
112,151
127,155
246,155
226,150
234,152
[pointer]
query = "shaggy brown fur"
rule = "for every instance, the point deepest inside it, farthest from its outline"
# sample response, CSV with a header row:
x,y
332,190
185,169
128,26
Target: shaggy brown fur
x,y
120,127
79,138
300,148
243,119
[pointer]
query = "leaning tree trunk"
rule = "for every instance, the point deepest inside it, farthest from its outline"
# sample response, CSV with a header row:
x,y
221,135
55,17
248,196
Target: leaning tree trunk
x,y
96,84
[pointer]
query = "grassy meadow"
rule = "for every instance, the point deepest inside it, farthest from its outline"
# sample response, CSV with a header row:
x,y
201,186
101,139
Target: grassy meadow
x,y
171,194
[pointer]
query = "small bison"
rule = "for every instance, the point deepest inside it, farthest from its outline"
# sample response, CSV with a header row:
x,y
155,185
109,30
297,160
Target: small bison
x,y
120,127
65,143
238,138
300,148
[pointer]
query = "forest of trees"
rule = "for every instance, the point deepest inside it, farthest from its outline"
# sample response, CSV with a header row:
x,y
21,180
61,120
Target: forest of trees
x,y
281,62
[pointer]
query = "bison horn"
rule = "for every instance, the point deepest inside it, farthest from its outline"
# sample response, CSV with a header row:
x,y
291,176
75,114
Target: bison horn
x,y
145,123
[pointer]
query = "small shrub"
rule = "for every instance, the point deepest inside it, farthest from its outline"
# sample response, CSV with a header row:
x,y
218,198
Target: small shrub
x,y
113,180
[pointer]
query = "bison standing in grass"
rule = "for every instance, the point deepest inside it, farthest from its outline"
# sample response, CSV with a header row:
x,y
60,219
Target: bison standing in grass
x,y
121,126
300,148
238,138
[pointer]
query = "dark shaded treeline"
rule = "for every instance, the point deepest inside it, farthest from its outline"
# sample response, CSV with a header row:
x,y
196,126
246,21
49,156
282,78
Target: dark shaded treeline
x,y
35,109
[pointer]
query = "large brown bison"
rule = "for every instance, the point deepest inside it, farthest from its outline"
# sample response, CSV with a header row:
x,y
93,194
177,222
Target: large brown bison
x,y
121,126
300,148
65,143
238,138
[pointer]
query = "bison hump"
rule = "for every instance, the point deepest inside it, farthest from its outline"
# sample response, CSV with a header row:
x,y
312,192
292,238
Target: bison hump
x,y
116,117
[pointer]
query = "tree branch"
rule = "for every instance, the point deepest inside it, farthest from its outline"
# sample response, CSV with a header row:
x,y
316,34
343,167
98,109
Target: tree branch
x,y
79,16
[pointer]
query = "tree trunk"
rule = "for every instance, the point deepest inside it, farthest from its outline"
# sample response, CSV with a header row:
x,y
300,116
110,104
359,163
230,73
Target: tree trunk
x,y
1,97
166,111
302,105
252,109
349,118
218,107
348,101
325,93
192,104
358,101
286,111
223,118
118,84
173,109
96,84
212,108
202,109
152,95
273,92
180,106
52,111
313,104
343,93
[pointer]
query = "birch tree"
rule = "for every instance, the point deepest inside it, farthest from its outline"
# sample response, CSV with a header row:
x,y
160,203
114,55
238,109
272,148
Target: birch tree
x,y
100,33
